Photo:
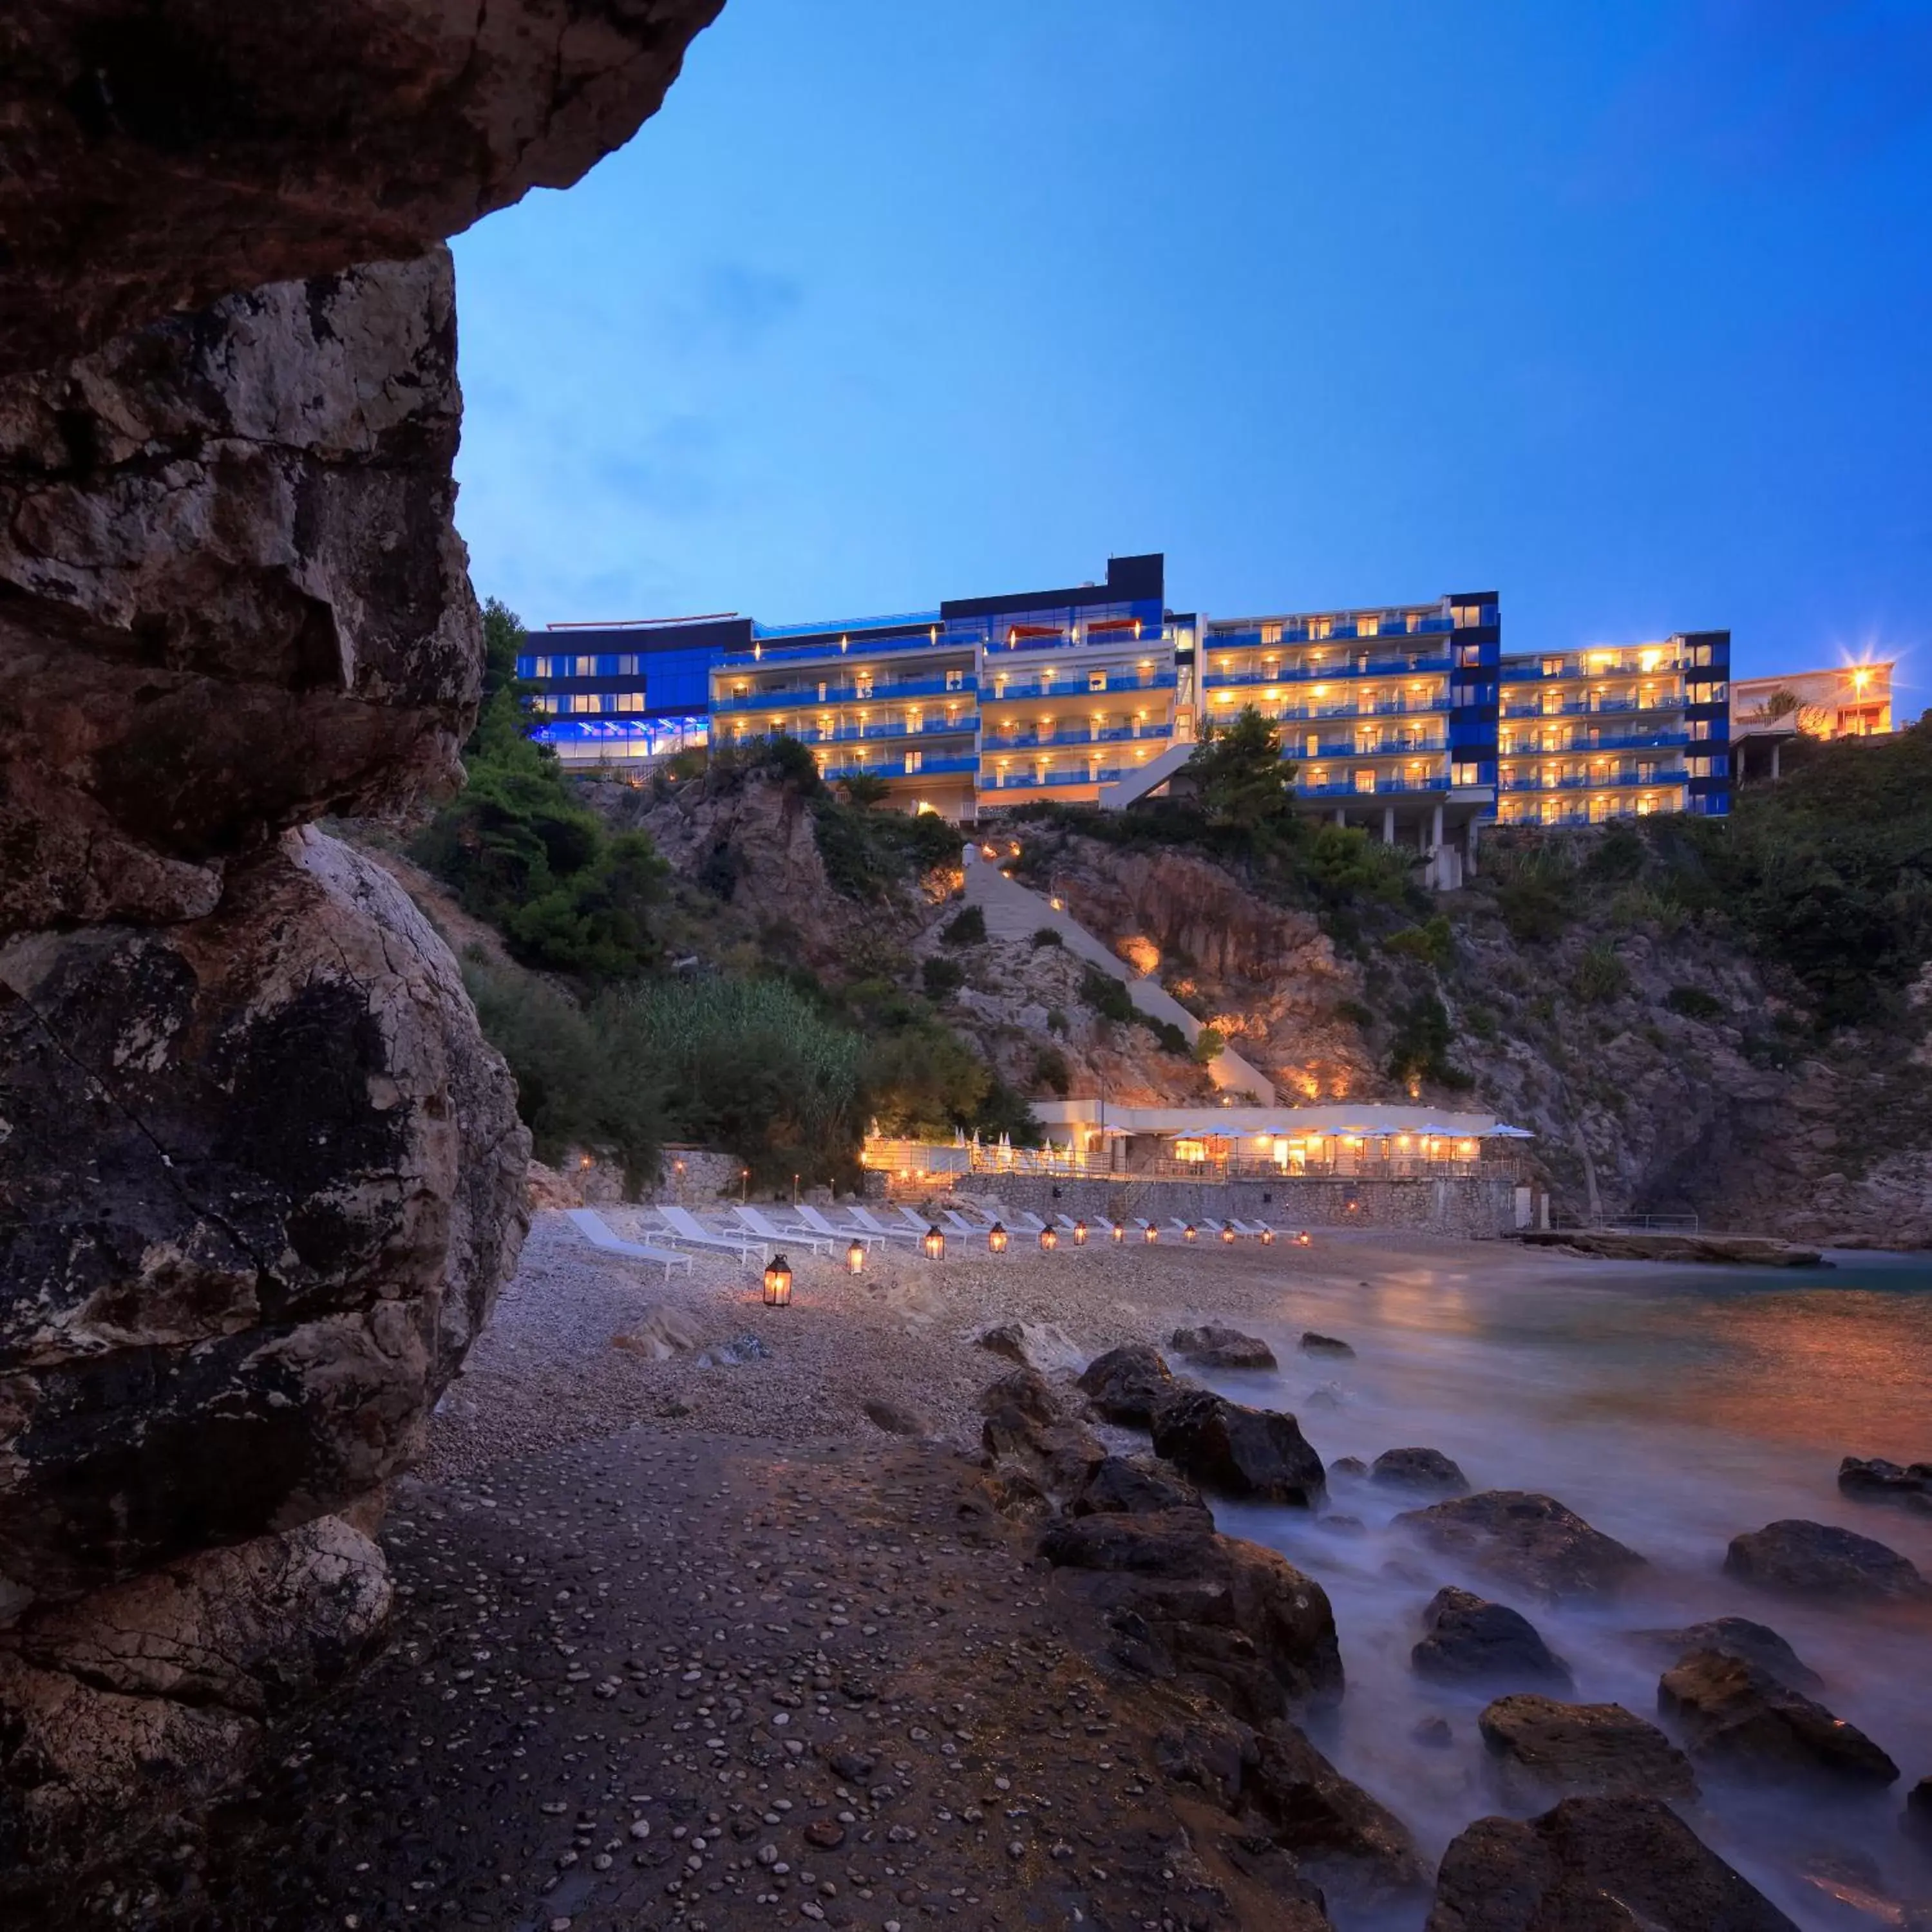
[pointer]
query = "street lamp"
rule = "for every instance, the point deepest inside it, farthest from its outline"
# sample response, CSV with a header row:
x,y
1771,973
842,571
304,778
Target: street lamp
x,y
777,1283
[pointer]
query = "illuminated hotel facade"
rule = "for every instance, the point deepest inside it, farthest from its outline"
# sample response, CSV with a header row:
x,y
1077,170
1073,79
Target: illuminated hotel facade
x,y
1407,720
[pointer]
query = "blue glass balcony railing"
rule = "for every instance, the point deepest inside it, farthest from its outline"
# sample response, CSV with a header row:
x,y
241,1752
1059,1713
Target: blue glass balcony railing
x,y
795,696
1671,775
855,734
1384,787
1586,708
1621,741
1415,661
1077,686
895,768
1023,740
1413,623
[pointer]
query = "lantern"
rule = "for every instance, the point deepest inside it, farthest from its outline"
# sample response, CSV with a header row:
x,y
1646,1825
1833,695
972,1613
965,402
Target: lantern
x,y
1150,1233
777,1283
1227,1233
934,1244
1049,1238
1304,1239
1080,1234
1267,1236
1120,1231
1187,1234
996,1238
855,1258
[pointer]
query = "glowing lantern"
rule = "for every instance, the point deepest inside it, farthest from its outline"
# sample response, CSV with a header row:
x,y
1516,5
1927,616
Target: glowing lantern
x,y
934,1244
1188,1233
1120,1231
777,1283
996,1238
1227,1234
855,1258
1080,1234
1150,1233
1267,1237
1304,1239
1049,1238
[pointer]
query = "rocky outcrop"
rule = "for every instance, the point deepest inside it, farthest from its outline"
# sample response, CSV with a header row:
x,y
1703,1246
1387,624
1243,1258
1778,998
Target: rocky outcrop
x,y
160,155
1346,1841
1872,1479
259,1176
1737,1636
1419,1469
1134,1486
1736,1715
1538,1746
1594,1862
1126,1385
1256,1454
1468,1640
1798,1558
1213,1346
1533,1540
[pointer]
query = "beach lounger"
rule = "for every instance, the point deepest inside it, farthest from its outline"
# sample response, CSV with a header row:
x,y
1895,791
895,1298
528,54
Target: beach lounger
x,y
959,1223
593,1227
817,1221
1026,1223
917,1222
869,1225
681,1225
768,1230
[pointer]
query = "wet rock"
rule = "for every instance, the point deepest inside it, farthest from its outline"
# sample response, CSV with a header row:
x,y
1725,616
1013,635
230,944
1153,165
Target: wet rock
x,y
1874,1480
1236,1620
1134,1486
1540,1745
1059,1458
1252,1453
1043,1345
1433,1732
1737,1636
1027,1391
1347,1842
1469,1639
1915,1820
1419,1469
1349,1465
895,1418
1312,1344
1533,1540
1212,1346
1593,1864
1735,1716
1126,1385
1819,1560
1210,1751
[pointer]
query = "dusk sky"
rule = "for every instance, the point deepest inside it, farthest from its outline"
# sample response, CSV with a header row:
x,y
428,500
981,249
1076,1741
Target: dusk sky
x,y
1624,310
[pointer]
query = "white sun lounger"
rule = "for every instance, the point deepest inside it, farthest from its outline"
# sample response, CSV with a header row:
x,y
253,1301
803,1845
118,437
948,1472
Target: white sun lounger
x,y
681,1225
869,1225
1026,1223
767,1230
817,1221
917,1222
593,1227
959,1223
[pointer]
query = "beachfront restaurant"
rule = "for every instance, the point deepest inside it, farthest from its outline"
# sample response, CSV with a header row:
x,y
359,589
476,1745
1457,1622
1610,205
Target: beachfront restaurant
x,y
1243,1143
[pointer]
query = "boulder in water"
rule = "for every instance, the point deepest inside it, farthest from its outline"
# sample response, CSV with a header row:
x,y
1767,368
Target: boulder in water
x,y
1735,1715
1419,1469
1598,1750
1026,1390
1818,1559
1211,1346
1737,1636
1532,1540
1313,1344
1467,1638
1592,1865
1134,1486
1225,1617
1350,1843
1254,1454
1348,1466
1873,1479
1059,1458
1915,1821
1126,1385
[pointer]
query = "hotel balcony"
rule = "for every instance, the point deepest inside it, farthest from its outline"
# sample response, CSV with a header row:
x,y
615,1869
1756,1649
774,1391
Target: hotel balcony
x,y
1013,688
837,640
795,696
867,734
1265,634
897,768
1340,665
1592,707
1663,776
1665,738
1010,741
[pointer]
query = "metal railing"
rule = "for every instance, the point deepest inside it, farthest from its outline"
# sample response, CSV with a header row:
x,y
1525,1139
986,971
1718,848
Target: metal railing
x,y
792,698
927,1161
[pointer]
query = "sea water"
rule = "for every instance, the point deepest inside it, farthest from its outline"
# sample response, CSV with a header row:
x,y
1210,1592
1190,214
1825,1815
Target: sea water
x,y
1672,1408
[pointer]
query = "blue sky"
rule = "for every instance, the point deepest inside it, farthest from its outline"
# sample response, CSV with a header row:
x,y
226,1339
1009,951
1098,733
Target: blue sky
x,y
1622,308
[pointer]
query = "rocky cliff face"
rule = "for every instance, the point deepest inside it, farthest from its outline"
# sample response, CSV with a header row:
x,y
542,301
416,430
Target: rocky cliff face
x,y
259,1175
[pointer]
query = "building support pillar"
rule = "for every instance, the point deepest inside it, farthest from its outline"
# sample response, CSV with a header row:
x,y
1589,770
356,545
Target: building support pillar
x,y
1341,817
1776,748
1469,849
1435,829
1388,825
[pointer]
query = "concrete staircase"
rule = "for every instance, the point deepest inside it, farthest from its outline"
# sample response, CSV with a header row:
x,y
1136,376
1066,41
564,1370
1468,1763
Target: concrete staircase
x,y
1014,912
1120,793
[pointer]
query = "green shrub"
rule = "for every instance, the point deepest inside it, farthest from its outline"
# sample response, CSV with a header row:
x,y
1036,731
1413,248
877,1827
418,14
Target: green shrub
x,y
1600,975
1108,997
1171,1037
1693,1003
924,1079
967,927
1420,1049
867,854
1482,1023
941,978
1050,1070
1056,1020
1047,935
1355,1013
1209,1045
1618,854
1535,892
1432,942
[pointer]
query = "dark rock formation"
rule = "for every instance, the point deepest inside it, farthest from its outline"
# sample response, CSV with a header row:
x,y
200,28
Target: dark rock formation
x,y
260,1177
1593,1864
1059,1458
1212,1346
1232,1619
1874,1480
1250,1453
1915,1820
1532,1540
1468,1640
1312,1344
1126,1385
1027,1391
1737,1636
1348,1466
1348,1843
895,1417
1595,1749
1722,1250
1043,1346
1817,1559
1419,1469
162,153
1134,1486
1735,1715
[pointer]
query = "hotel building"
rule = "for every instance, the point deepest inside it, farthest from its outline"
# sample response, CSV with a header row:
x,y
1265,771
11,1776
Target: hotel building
x,y
1407,720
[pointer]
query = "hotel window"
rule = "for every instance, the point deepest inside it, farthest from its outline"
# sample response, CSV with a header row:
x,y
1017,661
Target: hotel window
x,y
1365,780
584,666
1321,627
1270,634
1314,742
1368,623
1465,775
1096,680
914,759
630,701
544,707
1700,728
954,679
